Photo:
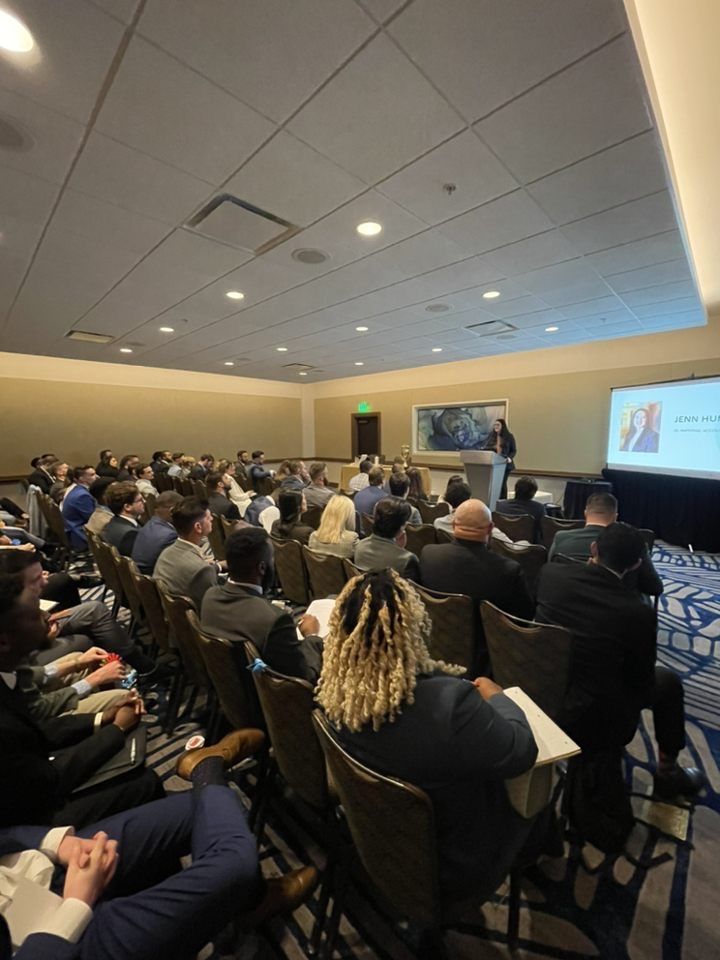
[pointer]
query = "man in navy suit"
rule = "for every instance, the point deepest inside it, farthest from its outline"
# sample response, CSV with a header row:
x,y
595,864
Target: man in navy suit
x,y
78,506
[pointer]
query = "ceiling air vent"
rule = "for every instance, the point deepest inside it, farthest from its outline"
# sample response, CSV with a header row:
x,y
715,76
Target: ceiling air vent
x,y
240,224
297,366
309,255
86,337
490,328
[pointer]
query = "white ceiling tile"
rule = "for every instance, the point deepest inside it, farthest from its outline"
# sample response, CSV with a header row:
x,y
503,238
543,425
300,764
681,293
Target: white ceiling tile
x,y
464,162
79,215
538,318
589,290
25,205
631,221
75,45
606,317
482,53
639,253
495,224
591,308
458,276
293,181
622,329
675,321
660,292
381,9
587,108
514,308
160,107
516,258
56,139
425,251
630,170
269,53
120,9
664,308
136,181
645,276
376,115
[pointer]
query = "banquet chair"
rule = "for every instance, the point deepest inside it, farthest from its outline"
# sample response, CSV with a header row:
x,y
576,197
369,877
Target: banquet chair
x,y
419,536
453,617
290,570
517,528
551,525
326,573
531,558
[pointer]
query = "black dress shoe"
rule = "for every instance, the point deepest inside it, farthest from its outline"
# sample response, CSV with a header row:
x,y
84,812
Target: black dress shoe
x,y
679,781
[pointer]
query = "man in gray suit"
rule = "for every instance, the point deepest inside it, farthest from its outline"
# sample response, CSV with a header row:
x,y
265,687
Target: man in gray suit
x,y
182,568
386,546
238,610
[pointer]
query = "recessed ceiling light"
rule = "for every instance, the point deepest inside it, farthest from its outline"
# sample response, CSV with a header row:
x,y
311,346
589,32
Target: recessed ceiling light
x,y
281,349
551,329
303,373
491,294
229,363
369,228
125,349
235,295
359,363
437,349
310,255
167,329
14,35
362,329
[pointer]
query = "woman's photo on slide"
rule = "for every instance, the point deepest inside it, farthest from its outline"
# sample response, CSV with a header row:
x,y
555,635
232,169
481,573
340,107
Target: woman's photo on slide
x,y
640,428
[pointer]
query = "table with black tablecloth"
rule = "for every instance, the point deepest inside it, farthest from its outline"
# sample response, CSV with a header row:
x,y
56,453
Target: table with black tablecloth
x,y
577,493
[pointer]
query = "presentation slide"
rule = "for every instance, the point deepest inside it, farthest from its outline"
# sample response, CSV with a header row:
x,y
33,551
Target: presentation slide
x,y
671,428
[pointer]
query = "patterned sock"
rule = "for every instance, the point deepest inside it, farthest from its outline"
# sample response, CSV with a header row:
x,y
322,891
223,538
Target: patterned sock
x,y
211,770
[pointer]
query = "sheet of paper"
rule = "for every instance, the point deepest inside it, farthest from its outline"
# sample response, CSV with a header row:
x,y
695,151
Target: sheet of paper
x,y
48,605
552,742
322,610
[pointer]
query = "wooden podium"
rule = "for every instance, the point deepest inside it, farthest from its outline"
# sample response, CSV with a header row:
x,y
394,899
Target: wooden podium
x,y
485,470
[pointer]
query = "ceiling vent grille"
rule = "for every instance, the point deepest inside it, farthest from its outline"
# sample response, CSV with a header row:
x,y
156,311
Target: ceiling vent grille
x,y
490,328
85,336
297,366
240,224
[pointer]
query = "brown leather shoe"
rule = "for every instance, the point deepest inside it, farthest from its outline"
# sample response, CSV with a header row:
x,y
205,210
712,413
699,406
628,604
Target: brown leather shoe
x,y
233,748
282,895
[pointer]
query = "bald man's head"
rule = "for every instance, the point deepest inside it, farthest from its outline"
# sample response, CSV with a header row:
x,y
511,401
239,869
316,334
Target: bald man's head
x,y
472,520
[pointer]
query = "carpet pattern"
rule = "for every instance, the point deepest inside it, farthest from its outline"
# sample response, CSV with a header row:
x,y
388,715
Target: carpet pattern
x,y
660,900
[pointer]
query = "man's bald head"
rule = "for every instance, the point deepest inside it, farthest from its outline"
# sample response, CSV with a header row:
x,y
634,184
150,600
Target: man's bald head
x,y
472,520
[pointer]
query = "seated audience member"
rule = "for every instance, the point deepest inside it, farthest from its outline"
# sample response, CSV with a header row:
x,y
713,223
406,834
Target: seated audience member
x,y
218,500
453,479
614,670
318,493
61,481
204,466
256,470
127,506
601,510
360,480
282,471
238,611
399,484
175,469
128,467
187,465
523,504
456,740
291,504
41,475
78,506
107,465
45,761
235,492
386,546
257,508
145,477
417,490
365,500
182,567
161,461
336,534
11,513
157,533
241,468
455,494
293,479
468,566
128,868
102,514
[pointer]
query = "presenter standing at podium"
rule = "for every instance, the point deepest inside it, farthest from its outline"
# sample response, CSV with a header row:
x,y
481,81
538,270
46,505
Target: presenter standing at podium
x,y
503,443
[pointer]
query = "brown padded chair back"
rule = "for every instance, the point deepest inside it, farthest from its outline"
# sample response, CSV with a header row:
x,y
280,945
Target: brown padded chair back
x,y
200,489
367,524
648,536
453,617
153,609
534,656
431,511
225,667
551,525
186,487
54,518
177,485
311,517
418,537
287,705
150,504
126,569
102,552
531,558
265,486
393,829
185,636
517,528
350,569
217,538
162,482
290,570
443,536
326,573
228,526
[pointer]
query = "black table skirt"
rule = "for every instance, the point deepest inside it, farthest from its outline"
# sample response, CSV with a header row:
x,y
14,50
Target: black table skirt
x,y
577,493
681,510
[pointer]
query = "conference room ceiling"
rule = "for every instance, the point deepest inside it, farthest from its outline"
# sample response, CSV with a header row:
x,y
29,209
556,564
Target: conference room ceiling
x,y
504,147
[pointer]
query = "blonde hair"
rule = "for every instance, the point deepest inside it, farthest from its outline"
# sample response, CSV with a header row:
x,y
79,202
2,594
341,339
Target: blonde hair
x,y
337,517
375,648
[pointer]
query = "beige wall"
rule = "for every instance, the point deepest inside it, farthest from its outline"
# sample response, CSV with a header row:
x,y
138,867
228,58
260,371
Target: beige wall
x,y
75,408
558,399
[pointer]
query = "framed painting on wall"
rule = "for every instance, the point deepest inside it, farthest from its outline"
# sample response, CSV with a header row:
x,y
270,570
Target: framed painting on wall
x,y
455,426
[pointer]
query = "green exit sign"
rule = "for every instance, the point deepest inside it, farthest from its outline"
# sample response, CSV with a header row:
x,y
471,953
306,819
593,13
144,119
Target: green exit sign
x,y
364,407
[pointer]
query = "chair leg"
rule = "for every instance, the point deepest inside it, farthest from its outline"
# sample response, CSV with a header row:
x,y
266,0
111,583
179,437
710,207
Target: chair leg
x,y
175,696
513,927
342,881
258,812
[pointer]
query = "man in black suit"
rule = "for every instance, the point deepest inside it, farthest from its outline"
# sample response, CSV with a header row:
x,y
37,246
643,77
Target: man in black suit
x,y
468,566
242,465
522,504
41,477
614,673
127,506
218,500
203,467
33,787
238,611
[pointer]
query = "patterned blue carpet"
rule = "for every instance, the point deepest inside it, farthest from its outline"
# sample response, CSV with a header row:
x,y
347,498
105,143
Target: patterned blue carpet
x,y
660,900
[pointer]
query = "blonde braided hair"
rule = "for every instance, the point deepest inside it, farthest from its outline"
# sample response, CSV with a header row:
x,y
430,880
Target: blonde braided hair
x,y
375,648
